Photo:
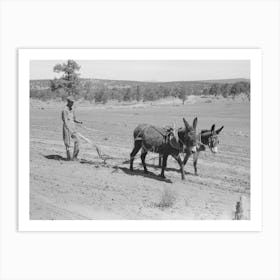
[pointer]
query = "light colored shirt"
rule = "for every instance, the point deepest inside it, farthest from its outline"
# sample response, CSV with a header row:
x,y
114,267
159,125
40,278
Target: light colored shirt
x,y
69,118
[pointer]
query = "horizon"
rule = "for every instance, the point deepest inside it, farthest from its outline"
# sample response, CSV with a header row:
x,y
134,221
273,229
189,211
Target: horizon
x,y
138,81
148,71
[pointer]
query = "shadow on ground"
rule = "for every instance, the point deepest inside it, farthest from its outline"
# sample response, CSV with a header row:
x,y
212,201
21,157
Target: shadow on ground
x,y
126,170
55,157
168,168
95,163
141,173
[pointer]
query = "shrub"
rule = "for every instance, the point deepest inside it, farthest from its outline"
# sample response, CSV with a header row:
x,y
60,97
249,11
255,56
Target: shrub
x,y
167,199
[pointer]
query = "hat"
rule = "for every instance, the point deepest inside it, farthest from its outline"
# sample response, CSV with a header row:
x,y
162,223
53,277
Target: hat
x,y
70,98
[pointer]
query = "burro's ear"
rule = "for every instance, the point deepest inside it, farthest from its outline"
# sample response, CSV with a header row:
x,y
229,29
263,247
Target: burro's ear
x,y
212,128
219,130
186,124
195,122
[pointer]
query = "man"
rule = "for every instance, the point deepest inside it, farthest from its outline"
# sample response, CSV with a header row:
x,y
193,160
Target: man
x,y
69,130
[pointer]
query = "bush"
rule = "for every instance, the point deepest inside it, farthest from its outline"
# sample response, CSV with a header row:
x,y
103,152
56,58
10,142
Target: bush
x,y
45,94
127,95
167,199
101,95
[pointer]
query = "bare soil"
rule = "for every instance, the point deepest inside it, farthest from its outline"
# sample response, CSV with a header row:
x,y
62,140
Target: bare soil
x,y
96,189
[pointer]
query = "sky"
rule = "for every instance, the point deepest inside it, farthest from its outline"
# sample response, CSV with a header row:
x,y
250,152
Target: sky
x,y
148,70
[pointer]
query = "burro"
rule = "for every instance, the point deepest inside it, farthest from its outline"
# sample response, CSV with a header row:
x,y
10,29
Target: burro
x,y
164,142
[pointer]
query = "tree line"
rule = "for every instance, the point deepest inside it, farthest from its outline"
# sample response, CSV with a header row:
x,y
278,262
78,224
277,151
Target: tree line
x,y
70,83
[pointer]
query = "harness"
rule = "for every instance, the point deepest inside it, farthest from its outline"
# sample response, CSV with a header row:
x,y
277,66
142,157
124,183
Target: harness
x,y
166,135
176,136
167,139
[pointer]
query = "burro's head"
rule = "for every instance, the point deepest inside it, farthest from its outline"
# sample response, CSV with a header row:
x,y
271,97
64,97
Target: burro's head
x,y
213,140
189,136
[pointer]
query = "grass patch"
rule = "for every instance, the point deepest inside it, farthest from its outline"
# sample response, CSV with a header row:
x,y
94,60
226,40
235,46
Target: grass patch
x,y
167,199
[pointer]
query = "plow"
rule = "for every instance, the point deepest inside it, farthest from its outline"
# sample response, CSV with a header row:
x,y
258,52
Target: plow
x,y
104,157
101,155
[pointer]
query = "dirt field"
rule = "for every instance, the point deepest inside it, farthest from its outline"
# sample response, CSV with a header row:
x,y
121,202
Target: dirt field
x,y
93,189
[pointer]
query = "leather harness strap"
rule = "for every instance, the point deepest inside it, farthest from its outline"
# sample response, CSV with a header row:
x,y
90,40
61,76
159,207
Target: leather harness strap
x,y
167,136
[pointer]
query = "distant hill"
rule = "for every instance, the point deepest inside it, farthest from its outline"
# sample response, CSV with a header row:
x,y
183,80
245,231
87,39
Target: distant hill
x,y
102,90
44,83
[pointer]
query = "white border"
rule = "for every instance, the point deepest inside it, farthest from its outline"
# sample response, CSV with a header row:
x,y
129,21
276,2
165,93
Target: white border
x,y
24,57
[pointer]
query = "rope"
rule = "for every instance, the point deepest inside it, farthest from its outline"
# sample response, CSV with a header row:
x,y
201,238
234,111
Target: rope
x,y
88,128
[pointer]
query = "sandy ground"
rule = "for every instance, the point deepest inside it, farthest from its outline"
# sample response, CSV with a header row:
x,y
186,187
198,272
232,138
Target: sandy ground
x,y
94,189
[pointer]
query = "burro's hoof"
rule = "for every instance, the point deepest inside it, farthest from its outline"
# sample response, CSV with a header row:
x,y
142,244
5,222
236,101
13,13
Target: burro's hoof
x,y
162,176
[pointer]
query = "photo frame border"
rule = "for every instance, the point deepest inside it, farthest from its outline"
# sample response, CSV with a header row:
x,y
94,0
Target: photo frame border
x,y
255,57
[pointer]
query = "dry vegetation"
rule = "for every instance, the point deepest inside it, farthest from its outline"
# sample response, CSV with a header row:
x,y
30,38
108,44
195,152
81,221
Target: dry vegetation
x,y
102,91
167,199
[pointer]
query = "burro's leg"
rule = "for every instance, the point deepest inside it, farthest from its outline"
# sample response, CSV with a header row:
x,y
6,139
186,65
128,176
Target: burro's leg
x,y
68,154
195,159
186,158
159,160
76,146
143,156
137,147
178,159
164,161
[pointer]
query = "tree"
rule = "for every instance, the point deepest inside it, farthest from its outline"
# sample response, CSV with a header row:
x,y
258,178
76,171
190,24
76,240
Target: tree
x,y
138,94
233,91
69,81
101,95
175,92
205,91
166,92
225,90
89,92
127,95
215,90
247,90
182,94
149,95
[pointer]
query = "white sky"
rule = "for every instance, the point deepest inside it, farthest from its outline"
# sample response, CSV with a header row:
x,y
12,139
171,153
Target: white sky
x,y
149,70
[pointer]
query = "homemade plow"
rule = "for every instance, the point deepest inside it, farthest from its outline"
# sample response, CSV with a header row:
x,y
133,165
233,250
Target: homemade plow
x,y
104,157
